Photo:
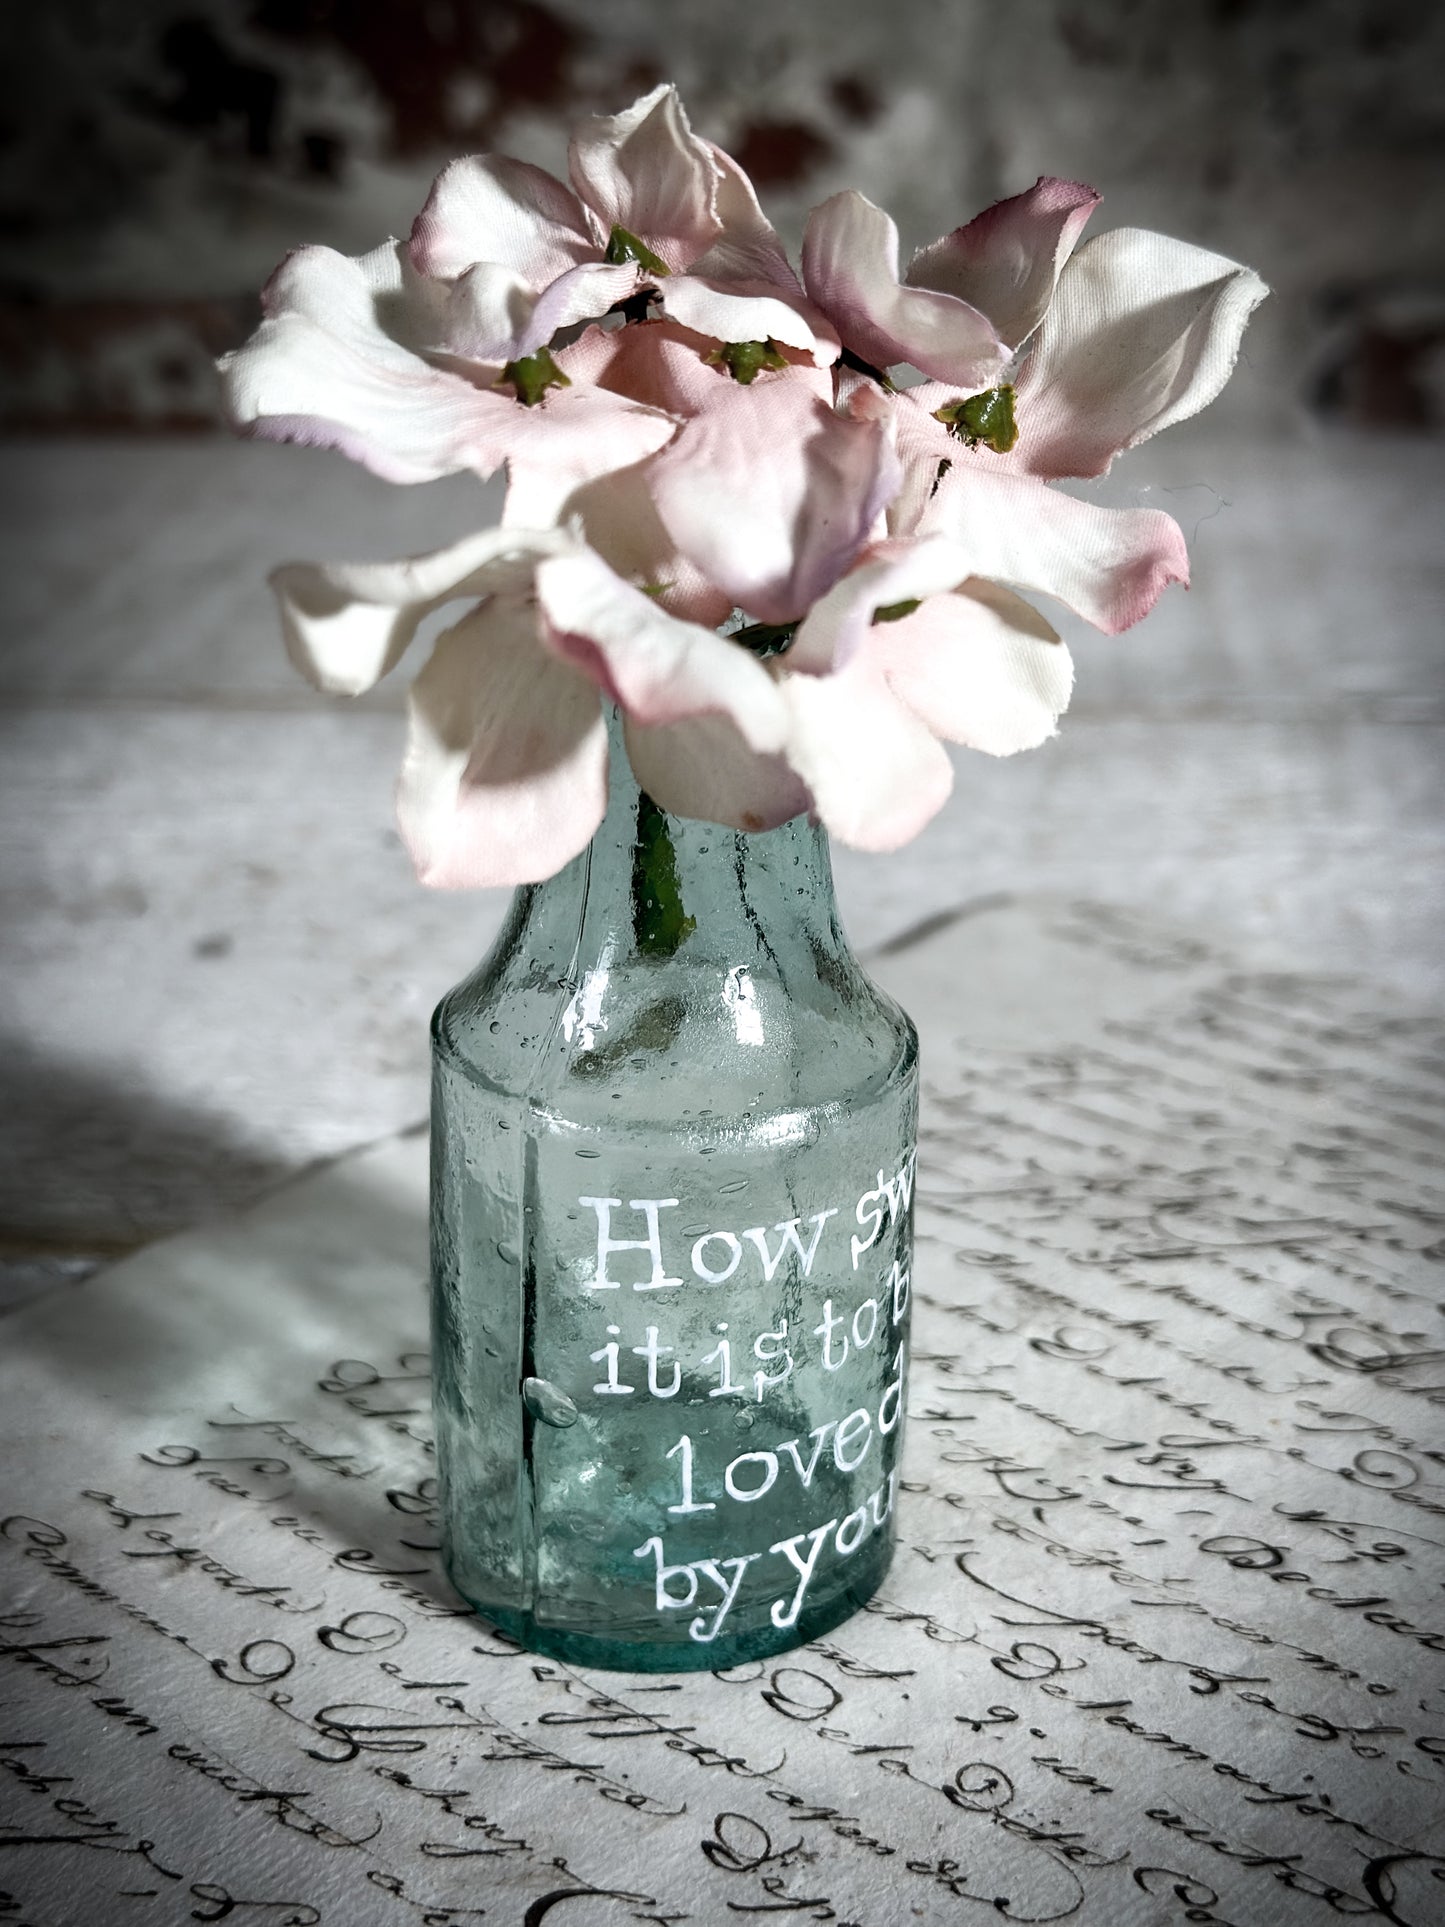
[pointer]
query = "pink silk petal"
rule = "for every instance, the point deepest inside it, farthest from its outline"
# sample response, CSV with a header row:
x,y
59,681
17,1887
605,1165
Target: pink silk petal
x,y
876,773
748,311
347,624
664,365
850,268
489,208
336,364
1144,331
771,493
1109,565
584,293
615,517
748,247
573,435
838,624
505,773
486,312
646,171
1006,260
979,667
923,444
657,669
703,767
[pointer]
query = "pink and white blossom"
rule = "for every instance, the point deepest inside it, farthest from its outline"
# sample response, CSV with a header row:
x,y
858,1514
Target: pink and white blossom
x,y
342,360
650,209
694,437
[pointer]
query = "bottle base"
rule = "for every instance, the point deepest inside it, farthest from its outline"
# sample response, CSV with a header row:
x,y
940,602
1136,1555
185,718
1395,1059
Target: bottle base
x,y
578,1648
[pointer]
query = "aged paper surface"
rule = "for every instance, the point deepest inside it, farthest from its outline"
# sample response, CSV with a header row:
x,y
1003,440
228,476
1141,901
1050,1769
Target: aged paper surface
x,y
1162,1642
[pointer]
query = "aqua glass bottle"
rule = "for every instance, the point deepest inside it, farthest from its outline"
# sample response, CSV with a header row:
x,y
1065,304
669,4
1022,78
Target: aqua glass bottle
x,y
673,1153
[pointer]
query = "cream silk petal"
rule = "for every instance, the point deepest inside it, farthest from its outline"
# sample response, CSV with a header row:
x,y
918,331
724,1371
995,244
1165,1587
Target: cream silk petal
x,y
337,364
323,370
584,293
876,772
646,171
346,624
748,247
771,493
1108,565
489,208
1143,331
492,316
1006,260
486,312
838,624
505,773
656,668
980,667
850,268
748,311
702,767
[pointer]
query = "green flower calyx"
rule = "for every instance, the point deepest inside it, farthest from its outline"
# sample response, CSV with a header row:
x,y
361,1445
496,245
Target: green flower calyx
x,y
987,418
623,247
743,359
533,375
896,611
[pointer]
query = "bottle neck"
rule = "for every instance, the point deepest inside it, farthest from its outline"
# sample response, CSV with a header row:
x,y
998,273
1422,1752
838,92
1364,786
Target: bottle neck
x,y
654,889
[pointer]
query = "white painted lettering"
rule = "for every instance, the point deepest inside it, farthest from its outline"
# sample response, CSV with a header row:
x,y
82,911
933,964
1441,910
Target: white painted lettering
x,y
652,1351
825,1332
651,1244
790,1446
667,1600
869,1214
706,1271
787,1615
861,1340
857,1425
722,1357
896,1193
890,1488
709,1568
684,1446
609,1352
769,1463
851,1532
888,1419
763,1379
771,1260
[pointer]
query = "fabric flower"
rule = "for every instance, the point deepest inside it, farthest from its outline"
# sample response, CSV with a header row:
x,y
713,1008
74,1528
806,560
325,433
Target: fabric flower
x,y
504,778
345,358
651,210
967,301
1142,331
694,439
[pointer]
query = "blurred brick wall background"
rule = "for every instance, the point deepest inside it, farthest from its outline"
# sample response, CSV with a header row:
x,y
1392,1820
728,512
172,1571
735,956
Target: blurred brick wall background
x,y
158,156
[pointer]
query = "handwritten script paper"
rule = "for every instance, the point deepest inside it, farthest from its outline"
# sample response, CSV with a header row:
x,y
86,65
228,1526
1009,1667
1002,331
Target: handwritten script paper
x,y
1162,1642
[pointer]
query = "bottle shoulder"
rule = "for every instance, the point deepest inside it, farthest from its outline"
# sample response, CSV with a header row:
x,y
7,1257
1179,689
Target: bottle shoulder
x,y
749,1037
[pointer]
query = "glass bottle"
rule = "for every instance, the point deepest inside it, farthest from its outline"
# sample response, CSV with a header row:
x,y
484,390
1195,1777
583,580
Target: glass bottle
x,y
672,1169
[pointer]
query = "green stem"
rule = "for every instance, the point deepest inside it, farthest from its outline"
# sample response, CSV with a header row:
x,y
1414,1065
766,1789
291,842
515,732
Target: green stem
x,y
660,923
